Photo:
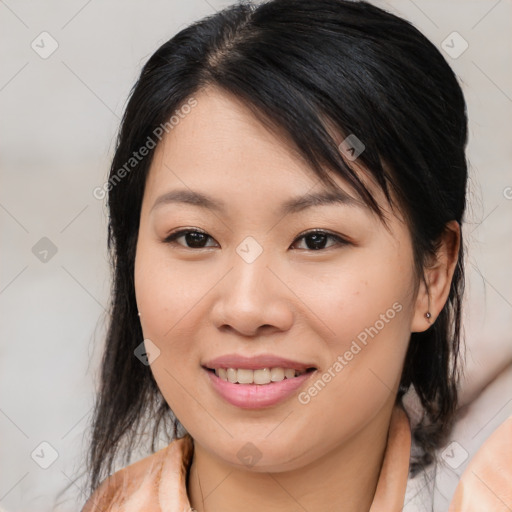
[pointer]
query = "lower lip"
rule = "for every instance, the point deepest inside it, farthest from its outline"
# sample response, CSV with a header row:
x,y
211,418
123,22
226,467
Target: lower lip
x,y
257,396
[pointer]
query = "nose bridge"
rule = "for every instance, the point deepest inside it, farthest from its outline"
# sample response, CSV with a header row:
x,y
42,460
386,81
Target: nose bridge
x,y
250,272
249,297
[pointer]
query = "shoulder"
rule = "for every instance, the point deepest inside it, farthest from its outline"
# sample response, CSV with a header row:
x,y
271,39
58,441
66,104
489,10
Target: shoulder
x,y
137,487
135,482
486,484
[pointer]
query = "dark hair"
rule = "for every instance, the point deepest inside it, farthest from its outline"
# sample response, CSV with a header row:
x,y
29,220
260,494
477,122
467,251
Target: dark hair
x,y
302,67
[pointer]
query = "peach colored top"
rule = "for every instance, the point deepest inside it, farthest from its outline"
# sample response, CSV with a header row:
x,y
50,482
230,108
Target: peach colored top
x,y
158,483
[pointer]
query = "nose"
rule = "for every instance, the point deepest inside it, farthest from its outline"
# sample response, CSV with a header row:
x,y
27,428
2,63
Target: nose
x,y
253,299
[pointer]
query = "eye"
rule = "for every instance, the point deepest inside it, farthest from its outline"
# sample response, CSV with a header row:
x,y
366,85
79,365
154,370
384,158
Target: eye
x,y
194,239
317,239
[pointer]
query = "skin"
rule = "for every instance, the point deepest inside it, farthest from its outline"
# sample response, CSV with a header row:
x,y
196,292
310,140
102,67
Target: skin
x,y
292,301
486,483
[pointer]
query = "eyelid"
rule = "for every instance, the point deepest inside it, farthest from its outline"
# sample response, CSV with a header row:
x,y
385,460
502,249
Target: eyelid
x,y
341,240
171,238
322,231
181,231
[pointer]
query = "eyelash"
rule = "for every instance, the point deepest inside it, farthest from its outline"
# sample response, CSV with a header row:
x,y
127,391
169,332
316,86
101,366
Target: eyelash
x,y
171,239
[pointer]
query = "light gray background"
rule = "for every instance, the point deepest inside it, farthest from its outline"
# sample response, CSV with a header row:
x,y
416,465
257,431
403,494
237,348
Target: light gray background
x,y
59,117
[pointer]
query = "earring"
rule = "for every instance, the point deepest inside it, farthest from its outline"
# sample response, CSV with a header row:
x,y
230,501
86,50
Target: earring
x,y
428,316
138,313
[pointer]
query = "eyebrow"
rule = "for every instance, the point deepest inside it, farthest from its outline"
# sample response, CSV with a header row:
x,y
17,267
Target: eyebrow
x,y
291,206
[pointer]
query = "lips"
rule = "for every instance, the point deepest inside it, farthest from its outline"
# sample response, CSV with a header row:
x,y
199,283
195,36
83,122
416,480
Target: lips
x,y
259,381
256,363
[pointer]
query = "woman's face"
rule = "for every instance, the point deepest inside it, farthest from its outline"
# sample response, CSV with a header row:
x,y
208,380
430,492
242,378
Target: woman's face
x,y
255,285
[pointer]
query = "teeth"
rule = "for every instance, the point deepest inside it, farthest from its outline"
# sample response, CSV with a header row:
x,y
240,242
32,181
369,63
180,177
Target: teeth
x,y
262,376
258,376
245,376
289,373
276,374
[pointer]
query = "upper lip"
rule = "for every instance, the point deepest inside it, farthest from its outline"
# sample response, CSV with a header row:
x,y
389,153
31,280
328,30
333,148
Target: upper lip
x,y
255,362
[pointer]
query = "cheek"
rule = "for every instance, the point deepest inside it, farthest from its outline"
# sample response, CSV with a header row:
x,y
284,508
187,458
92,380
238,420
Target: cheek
x,y
359,299
166,291
169,297
365,315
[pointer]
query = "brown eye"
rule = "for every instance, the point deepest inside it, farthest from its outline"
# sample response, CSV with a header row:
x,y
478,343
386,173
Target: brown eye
x,y
314,240
317,240
194,239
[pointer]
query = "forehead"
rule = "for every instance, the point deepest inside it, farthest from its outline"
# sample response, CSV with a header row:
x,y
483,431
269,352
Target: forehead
x,y
222,132
220,146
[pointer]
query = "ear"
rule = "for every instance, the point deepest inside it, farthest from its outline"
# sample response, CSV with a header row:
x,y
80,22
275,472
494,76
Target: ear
x,y
434,289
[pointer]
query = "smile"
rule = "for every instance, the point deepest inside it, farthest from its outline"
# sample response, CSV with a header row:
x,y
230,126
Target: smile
x,y
260,376
256,391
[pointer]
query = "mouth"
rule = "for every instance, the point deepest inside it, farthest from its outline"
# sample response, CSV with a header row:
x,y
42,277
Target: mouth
x,y
258,387
260,376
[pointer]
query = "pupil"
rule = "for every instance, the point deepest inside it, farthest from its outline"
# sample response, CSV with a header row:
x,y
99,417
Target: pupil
x,y
318,240
194,239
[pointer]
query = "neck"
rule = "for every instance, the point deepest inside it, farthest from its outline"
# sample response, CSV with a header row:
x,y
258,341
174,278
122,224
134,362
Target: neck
x,y
343,479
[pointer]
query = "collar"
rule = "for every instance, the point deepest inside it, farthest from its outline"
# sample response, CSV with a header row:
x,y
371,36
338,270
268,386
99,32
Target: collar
x,y
137,487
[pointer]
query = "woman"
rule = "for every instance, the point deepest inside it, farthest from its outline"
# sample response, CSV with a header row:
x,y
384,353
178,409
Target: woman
x,y
286,202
